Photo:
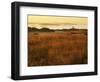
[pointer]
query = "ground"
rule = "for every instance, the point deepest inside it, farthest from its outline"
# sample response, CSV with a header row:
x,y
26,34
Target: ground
x,y
57,48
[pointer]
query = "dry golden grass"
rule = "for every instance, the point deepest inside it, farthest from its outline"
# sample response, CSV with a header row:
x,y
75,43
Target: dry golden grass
x,y
53,48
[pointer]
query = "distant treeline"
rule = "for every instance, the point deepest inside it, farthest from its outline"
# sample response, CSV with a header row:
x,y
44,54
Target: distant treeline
x,y
34,29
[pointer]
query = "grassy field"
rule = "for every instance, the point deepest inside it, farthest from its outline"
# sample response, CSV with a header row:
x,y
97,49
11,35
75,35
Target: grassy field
x,y
57,48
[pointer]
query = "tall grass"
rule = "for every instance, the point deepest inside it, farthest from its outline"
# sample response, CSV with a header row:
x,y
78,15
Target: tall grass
x,y
66,48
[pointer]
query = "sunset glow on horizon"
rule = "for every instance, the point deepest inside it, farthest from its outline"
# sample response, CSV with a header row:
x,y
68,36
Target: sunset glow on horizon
x,y
56,20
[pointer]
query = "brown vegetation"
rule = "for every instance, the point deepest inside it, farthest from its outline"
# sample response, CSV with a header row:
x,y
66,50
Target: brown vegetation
x,y
57,48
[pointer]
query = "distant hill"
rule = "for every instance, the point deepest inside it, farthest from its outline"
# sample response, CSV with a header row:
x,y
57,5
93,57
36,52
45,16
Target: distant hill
x,y
34,29
46,30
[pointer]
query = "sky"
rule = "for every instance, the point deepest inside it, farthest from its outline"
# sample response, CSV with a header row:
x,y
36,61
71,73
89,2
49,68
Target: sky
x,y
39,21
